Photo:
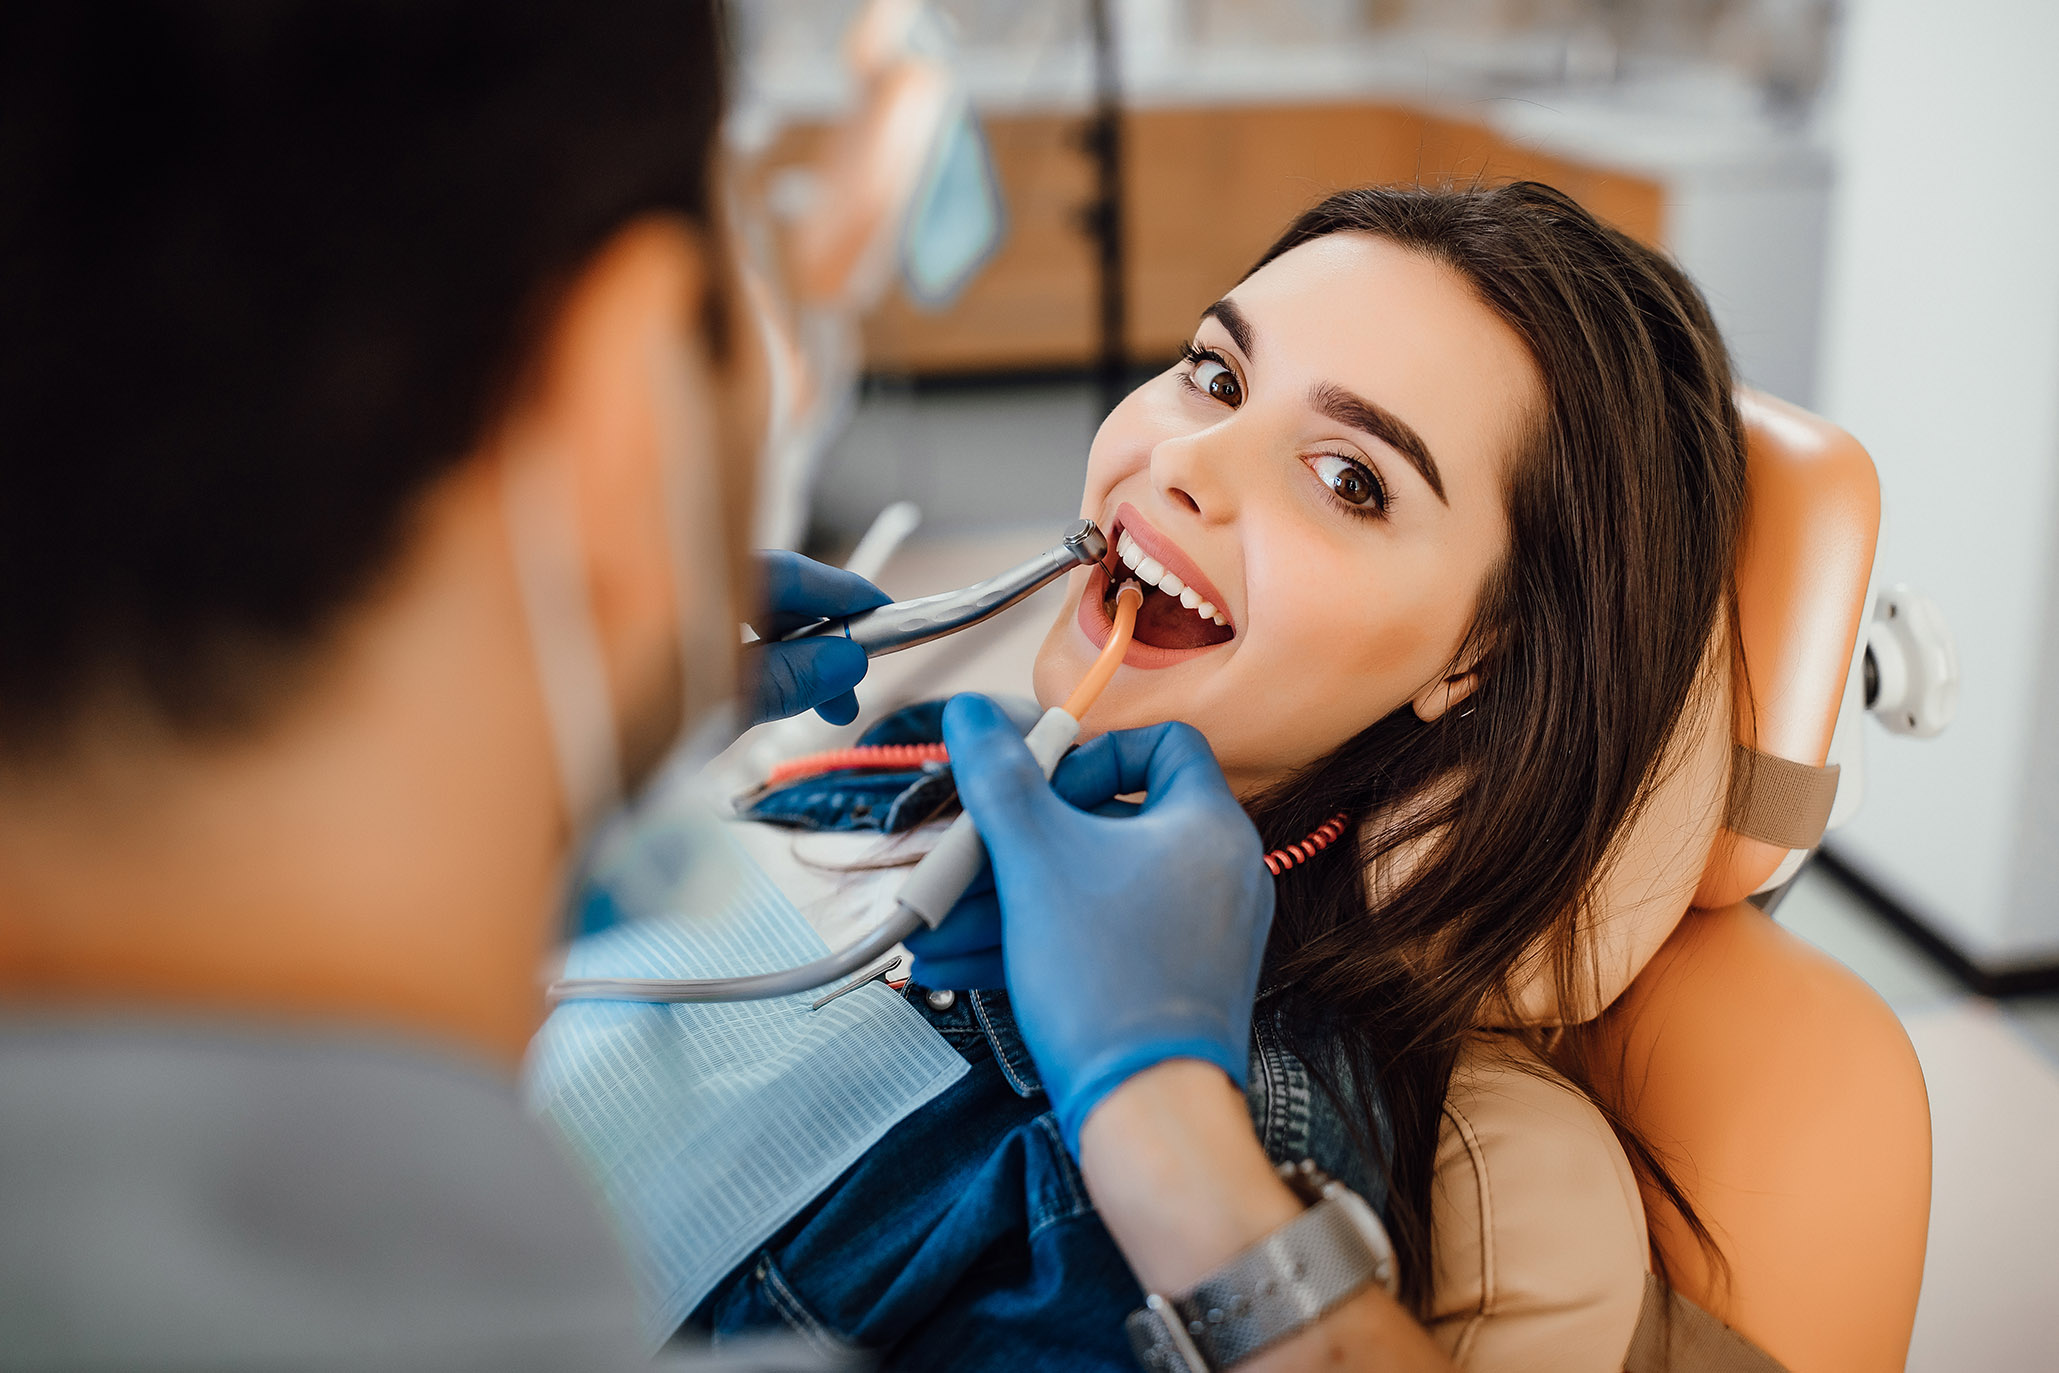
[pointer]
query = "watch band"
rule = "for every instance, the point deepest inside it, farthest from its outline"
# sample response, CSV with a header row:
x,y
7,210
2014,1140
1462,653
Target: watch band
x,y
1286,1281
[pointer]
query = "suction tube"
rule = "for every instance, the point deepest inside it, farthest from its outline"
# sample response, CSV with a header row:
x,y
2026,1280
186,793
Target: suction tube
x,y
760,987
931,890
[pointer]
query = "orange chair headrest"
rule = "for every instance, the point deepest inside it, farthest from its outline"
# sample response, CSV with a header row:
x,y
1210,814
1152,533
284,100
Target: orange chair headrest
x,y
1745,783
1802,577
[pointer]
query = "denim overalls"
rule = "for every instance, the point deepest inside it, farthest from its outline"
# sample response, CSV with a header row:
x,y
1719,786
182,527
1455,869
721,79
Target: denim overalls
x,y
964,1239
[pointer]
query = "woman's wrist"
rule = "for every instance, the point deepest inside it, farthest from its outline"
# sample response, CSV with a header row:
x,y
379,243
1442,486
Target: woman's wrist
x,y
1179,1178
1178,1175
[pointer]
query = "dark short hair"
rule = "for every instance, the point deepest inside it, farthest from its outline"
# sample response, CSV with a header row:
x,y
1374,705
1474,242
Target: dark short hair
x,y
267,269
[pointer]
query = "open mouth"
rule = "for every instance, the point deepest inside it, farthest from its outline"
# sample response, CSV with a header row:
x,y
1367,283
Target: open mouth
x,y
1180,613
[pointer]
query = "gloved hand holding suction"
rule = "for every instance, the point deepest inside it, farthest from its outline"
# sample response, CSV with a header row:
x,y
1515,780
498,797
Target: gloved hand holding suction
x,y
1129,939
964,953
815,673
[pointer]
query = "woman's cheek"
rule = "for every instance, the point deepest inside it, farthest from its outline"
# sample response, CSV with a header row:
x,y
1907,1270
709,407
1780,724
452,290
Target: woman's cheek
x,y
1333,679
1412,637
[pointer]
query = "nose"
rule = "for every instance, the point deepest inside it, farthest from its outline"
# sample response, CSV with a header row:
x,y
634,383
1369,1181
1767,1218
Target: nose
x,y
1194,471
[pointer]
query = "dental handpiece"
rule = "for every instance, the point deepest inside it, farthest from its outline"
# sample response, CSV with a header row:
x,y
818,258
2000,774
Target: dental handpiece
x,y
904,624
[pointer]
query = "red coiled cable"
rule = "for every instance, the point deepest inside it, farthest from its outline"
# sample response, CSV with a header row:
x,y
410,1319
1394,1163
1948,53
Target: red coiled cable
x,y
877,757
893,757
1294,855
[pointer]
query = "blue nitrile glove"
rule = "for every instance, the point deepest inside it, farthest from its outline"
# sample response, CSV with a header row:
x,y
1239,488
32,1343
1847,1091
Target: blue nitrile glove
x,y
1128,938
813,673
964,953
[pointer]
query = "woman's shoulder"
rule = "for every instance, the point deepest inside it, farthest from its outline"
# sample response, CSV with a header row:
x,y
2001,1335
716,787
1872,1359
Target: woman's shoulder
x,y
1539,1234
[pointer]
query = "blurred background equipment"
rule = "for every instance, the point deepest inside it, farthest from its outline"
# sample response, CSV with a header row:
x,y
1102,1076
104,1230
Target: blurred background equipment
x,y
894,187
1682,121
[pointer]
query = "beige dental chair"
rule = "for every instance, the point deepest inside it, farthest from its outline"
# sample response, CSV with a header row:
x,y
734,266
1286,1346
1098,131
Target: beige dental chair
x,y
1780,1091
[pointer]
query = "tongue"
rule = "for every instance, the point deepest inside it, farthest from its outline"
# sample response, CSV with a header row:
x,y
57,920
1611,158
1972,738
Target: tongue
x,y
1163,622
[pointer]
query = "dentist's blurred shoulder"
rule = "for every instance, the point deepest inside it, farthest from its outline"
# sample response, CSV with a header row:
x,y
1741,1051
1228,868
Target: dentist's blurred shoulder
x,y
352,358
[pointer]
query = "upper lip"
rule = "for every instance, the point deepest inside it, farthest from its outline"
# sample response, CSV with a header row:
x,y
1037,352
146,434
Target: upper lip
x,y
1157,545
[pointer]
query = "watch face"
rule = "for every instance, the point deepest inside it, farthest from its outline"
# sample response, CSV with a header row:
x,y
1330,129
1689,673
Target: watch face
x,y
1276,1287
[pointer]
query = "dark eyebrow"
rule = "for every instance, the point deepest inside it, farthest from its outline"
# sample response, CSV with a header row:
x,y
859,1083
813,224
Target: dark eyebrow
x,y
1226,313
1356,412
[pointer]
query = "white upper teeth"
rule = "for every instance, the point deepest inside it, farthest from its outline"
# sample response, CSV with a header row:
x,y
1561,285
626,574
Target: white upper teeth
x,y
1153,572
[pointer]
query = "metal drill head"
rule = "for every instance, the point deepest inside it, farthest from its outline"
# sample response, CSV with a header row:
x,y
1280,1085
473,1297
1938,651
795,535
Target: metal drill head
x,y
1087,542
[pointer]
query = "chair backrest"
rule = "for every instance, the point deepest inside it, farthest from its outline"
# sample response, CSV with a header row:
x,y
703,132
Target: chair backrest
x,y
1748,784
1780,1090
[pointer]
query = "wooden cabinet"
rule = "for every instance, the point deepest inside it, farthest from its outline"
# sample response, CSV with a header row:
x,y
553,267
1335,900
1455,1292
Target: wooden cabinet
x,y
1206,190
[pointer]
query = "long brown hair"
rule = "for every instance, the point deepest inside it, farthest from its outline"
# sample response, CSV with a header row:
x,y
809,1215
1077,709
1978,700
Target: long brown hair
x,y
1488,828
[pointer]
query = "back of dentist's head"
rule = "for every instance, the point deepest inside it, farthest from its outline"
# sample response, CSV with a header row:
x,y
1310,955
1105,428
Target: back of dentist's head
x,y
267,271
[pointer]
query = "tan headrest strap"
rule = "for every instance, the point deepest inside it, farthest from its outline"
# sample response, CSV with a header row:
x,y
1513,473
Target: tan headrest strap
x,y
1675,1336
1776,801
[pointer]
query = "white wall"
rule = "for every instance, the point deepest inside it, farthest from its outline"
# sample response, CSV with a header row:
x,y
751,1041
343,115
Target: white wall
x,y
1941,353
1753,240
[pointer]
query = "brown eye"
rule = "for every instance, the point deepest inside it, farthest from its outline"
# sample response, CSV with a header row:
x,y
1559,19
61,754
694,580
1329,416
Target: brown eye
x,y
1218,382
1352,483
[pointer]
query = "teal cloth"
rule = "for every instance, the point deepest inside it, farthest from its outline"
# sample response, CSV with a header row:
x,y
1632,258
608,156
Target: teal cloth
x,y
707,1127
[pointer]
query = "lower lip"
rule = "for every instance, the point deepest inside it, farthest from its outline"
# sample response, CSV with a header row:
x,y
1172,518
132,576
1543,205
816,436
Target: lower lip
x,y
1097,626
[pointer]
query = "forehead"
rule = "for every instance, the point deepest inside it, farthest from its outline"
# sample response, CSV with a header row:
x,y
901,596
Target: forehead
x,y
1400,329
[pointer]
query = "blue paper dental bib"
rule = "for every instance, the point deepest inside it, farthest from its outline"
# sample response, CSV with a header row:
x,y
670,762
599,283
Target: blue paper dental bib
x,y
707,1127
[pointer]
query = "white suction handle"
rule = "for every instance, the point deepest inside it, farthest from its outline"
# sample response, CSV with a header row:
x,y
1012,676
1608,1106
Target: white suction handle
x,y
948,869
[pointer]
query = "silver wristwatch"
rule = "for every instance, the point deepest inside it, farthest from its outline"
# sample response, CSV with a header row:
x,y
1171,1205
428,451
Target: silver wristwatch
x,y
1286,1281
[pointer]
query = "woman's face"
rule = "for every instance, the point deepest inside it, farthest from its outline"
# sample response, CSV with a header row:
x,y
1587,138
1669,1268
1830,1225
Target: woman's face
x,y
1325,472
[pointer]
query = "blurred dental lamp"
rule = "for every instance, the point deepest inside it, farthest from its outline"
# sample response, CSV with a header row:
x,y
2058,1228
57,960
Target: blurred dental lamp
x,y
901,187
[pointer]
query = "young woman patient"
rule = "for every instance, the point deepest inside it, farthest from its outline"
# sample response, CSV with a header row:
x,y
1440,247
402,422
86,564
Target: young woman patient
x,y
1438,513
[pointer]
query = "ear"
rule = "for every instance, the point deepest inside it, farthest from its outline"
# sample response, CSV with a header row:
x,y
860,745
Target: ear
x,y
622,392
1440,696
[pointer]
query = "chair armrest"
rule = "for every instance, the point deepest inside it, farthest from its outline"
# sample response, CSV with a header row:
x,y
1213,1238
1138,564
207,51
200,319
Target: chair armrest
x,y
1787,1100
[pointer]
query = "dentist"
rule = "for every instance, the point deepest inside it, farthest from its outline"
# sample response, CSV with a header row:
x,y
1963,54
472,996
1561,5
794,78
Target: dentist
x,y
377,417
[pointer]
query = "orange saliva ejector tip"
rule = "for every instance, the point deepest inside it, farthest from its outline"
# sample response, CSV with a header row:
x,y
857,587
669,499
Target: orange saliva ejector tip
x,y
1127,599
